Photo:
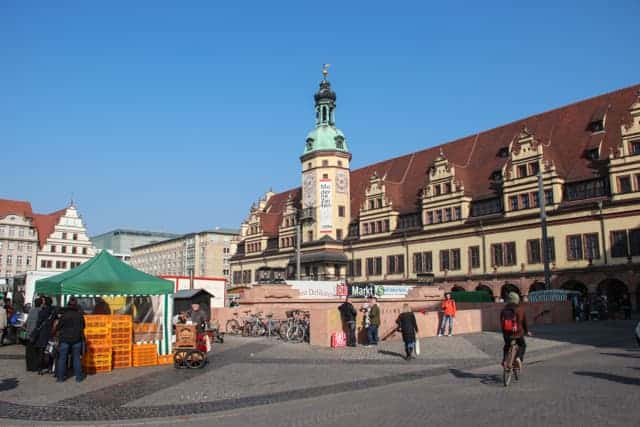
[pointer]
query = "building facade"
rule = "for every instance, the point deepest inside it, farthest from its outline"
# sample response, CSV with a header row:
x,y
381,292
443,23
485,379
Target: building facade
x,y
63,242
40,242
18,239
203,254
119,242
465,214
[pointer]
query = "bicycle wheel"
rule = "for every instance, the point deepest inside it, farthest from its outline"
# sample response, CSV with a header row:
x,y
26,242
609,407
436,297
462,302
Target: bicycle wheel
x,y
257,330
296,333
233,327
509,369
246,329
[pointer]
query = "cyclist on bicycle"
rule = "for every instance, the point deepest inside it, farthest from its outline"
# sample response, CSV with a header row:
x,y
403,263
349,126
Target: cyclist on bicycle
x,y
513,321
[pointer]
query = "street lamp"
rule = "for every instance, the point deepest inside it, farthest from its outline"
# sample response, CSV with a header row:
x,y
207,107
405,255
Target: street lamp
x,y
543,224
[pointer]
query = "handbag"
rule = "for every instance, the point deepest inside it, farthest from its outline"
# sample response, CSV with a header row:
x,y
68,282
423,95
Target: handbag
x,y
417,349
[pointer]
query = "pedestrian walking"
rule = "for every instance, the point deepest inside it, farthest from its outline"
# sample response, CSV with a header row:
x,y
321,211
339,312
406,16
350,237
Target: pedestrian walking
x,y
408,326
348,315
374,321
448,307
70,330
32,356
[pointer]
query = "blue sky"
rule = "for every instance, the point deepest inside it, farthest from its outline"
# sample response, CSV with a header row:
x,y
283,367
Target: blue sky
x,y
176,116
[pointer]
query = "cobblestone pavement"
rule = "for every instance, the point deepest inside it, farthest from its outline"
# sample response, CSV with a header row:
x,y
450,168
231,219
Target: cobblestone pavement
x,y
585,372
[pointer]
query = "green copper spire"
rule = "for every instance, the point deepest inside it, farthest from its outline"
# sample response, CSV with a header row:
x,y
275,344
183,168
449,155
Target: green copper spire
x,y
325,136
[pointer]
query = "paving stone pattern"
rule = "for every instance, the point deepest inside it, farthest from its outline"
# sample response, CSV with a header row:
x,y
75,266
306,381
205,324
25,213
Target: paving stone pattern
x,y
246,373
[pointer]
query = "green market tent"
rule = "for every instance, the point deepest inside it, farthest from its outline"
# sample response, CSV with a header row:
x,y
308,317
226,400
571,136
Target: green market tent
x,y
105,275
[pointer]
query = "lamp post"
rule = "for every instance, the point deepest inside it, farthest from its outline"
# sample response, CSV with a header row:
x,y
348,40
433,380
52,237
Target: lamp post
x,y
604,247
543,224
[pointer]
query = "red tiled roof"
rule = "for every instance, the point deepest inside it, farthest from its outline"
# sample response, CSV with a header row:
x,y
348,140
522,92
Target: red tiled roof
x,y
45,223
563,132
15,207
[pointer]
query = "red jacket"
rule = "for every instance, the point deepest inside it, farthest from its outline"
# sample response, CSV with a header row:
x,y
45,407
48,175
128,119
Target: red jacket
x,y
449,307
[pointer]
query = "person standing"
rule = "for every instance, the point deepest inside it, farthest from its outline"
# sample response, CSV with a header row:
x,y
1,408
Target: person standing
x,y
32,356
348,315
198,317
42,334
374,320
3,322
408,326
71,335
448,314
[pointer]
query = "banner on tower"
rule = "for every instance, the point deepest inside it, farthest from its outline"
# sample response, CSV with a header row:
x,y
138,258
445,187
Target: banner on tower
x,y
326,211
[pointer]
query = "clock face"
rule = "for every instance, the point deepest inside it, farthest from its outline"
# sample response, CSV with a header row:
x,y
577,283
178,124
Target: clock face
x,y
309,189
341,182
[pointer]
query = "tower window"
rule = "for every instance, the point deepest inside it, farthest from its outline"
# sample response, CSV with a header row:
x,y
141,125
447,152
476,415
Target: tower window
x,y
339,162
325,163
324,114
340,144
309,165
325,176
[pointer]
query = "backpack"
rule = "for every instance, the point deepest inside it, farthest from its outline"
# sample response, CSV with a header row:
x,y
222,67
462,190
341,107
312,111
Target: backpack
x,y
509,321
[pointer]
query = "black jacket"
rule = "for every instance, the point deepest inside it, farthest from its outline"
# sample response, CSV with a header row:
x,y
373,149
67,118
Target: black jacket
x,y
42,333
347,312
71,326
407,324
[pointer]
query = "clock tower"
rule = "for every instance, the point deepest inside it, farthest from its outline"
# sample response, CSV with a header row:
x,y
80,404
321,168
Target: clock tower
x,y
325,172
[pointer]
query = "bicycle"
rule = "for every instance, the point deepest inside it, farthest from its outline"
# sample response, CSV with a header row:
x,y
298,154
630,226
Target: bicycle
x,y
233,326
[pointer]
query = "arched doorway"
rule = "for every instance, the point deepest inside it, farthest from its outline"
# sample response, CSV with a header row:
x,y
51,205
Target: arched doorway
x,y
536,286
613,290
458,289
574,285
485,288
507,288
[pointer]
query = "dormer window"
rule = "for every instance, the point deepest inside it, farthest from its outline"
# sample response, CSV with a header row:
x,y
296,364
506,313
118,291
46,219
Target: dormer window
x,y
496,175
379,203
522,171
534,168
596,126
437,190
372,204
503,152
446,188
309,144
340,144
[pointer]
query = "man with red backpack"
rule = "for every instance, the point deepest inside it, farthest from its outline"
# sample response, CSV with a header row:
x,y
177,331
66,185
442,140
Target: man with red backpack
x,y
513,321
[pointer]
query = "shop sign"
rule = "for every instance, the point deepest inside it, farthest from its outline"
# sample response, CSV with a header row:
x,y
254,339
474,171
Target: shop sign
x,y
380,291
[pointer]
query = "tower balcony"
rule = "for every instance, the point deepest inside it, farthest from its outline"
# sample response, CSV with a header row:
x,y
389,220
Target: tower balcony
x,y
308,214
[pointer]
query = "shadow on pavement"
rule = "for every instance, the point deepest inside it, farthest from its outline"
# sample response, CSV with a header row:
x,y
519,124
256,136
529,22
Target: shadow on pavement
x,y
609,377
597,333
630,356
8,384
484,378
391,353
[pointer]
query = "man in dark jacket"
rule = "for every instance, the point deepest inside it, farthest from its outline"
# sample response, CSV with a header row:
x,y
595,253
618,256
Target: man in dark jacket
x,y
32,355
70,334
513,321
374,318
348,314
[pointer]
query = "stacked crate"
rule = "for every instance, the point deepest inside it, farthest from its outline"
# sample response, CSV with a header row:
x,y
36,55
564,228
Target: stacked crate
x,y
145,355
97,332
121,340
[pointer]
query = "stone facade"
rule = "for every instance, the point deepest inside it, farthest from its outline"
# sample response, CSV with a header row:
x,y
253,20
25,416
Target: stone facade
x,y
467,213
64,242
42,242
203,254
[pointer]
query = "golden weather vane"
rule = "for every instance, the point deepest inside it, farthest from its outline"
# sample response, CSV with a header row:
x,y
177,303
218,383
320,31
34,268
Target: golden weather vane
x,y
325,71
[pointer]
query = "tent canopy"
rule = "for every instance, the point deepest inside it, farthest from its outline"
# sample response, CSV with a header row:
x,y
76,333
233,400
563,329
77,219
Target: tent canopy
x,y
104,274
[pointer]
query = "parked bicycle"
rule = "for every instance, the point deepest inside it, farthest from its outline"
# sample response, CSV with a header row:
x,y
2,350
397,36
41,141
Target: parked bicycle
x,y
296,329
235,326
